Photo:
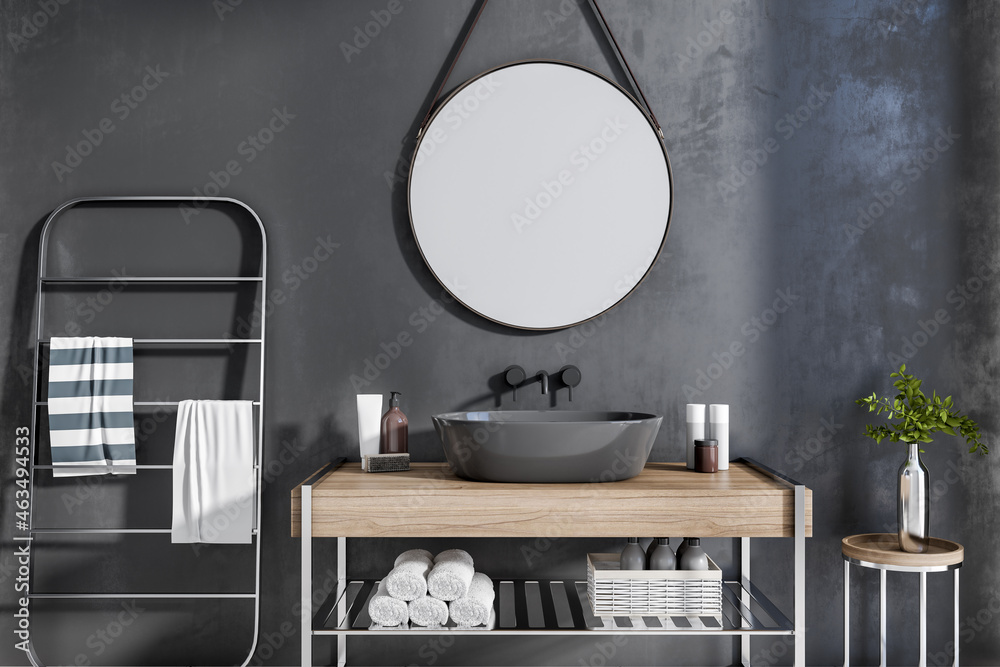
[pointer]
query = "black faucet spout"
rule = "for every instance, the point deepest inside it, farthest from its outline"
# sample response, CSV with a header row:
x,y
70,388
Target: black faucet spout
x,y
544,378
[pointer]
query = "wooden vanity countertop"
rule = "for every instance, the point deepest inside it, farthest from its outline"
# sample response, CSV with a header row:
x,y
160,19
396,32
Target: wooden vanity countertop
x,y
664,499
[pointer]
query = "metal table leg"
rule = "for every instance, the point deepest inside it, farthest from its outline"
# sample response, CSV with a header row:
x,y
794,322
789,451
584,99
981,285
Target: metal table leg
x,y
342,611
745,574
923,619
800,575
956,618
881,619
306,575
847,613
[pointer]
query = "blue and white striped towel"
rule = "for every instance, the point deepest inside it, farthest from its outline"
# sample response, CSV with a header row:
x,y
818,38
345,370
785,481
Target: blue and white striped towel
x,y
90,406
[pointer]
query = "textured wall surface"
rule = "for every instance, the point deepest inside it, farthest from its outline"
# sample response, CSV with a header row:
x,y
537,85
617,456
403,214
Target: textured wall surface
x,y
838,158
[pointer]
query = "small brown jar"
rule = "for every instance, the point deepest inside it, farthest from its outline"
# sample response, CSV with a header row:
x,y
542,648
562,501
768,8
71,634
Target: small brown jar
x,y
706,455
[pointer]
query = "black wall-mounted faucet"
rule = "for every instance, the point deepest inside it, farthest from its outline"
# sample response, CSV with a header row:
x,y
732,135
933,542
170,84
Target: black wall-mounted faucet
x,y
569,376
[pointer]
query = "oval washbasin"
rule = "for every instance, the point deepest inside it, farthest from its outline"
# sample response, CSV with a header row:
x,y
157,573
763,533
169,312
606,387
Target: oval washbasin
x,y
547,446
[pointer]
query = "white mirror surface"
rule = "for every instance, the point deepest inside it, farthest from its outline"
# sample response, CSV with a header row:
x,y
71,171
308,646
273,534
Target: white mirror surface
x,y
540,194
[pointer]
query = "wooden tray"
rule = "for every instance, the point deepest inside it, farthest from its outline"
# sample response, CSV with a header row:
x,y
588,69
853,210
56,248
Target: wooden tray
x,y
883,549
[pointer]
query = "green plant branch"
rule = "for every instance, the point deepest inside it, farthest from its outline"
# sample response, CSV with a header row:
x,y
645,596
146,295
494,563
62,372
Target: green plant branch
x,y
919,417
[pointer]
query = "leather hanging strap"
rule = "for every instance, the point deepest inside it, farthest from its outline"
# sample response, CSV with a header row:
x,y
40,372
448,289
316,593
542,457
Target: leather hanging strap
x,y
624,64
447,76
607,34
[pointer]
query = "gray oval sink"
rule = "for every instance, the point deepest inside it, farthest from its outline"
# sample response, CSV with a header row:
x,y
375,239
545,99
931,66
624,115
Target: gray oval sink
x,y
547,446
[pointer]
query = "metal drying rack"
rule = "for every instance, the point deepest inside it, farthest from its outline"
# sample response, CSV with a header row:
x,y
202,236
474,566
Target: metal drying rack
x,y
44,279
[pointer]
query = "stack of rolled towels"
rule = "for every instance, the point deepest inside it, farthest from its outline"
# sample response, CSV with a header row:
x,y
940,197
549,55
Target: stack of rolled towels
x,y
427,590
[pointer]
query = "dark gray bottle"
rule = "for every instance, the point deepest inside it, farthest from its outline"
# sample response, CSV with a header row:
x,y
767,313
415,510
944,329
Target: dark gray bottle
x,y
633,557
694,557
662,557
681,549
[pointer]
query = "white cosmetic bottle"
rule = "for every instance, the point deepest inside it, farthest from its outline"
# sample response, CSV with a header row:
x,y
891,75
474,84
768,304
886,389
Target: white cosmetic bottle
x,y
718,417
369,420
695,430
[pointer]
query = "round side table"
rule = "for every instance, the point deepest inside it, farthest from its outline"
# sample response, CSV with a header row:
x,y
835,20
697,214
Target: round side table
x,y
881,551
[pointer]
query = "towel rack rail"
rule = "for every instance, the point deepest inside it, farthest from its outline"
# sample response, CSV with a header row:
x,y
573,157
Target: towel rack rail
x,y
148,403
69,280
47,284
189,341
141,466
142,596
109,531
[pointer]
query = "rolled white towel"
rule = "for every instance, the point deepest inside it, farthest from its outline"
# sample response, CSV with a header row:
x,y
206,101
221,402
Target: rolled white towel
x,y
408,580
428,611
476,606
453,554
386,610
451,575
415,554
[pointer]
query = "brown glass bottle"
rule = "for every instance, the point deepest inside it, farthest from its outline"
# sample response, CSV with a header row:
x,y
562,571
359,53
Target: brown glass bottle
x,y
706,455
395,429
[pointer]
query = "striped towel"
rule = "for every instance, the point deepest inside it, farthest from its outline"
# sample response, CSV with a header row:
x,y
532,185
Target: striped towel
x,y
90,406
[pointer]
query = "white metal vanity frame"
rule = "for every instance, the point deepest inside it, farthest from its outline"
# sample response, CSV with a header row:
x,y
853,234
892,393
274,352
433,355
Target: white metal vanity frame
x,y
560,607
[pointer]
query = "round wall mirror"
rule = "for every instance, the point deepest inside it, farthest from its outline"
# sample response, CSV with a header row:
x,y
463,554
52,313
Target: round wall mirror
x,y
540,194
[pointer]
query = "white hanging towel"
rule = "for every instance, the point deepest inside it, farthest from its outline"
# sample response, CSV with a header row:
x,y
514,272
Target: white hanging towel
x,y
91,428
213,473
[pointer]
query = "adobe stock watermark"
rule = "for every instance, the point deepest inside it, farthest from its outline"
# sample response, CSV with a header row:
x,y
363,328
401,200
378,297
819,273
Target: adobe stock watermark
x,y
246,152
420,320
225,517
33,24
223,7
102,638
467,103
582,333
785,128
927,329
293,278
815,446
89,487
121,108
580,159
453,117
363,35
566,9
901,13
913,169
968,629
752,330
272,640
778,649
699,45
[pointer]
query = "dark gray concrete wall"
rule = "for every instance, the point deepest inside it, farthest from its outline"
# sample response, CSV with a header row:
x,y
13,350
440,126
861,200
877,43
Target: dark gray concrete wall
x,y
886,81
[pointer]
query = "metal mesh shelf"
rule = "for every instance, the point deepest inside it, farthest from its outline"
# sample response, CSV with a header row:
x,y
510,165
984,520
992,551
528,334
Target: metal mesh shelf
x,y
539,607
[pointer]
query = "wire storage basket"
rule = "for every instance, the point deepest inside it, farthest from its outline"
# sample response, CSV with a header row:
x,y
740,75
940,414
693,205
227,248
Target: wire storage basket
x,y
616,592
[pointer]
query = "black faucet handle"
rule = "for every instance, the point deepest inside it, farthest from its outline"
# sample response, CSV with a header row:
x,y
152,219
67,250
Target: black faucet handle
x,y
514,377
571,377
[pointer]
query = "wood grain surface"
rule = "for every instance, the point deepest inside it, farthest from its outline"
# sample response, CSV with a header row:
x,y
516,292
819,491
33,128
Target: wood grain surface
x,y
665,499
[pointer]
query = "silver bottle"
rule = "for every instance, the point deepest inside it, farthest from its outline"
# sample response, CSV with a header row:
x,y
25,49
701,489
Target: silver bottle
x,y
694,557
662,557
913,508
633,557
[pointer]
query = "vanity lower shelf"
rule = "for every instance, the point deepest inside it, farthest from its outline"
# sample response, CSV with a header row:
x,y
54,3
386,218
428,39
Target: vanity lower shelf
x,y
540,607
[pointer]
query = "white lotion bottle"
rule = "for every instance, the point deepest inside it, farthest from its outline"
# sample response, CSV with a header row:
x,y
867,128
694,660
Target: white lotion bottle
x,y
695,430
369,422
718,417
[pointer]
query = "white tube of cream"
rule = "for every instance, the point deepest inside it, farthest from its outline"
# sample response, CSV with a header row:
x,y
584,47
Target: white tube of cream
x,y
369,419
